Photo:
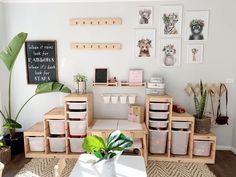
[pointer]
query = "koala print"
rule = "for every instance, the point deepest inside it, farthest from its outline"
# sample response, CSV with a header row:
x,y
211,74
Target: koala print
x,y
144,47
196,27
169,58
170,21
144,16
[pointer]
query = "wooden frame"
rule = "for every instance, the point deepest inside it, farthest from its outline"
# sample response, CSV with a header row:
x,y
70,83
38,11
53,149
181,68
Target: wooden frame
x,y
96,46
96,21
40,69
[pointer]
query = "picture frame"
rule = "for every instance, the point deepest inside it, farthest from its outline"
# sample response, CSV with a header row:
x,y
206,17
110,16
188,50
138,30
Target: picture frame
x,y
195,53
41,61
145,43
144,16
196,25
101,76
170,52
170,20
136,76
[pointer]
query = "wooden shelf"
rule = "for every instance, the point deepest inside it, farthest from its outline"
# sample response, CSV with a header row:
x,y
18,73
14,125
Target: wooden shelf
x,y
96,46
182,117
209,136
105,84
55,113
127,84
96,21
36,130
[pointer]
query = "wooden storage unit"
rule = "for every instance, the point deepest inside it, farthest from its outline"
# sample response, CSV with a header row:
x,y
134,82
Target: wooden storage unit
x,y
138,131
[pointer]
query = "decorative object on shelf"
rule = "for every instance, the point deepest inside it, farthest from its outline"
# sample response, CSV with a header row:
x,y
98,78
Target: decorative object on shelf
x,y
96,46
41,61
202,122
194,53
106,98
196,25
80,83
5,152
178,108
144,16
170,52
132,99
135,76
156,86
136,113
101,76
96,21
107,151
145,43
170,20
222,119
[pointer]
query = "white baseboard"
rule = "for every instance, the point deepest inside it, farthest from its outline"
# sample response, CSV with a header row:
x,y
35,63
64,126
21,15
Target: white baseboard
x,y
233,150
226,148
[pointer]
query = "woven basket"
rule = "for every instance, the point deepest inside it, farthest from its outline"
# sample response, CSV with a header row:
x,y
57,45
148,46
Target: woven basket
x,y
203,126
5,154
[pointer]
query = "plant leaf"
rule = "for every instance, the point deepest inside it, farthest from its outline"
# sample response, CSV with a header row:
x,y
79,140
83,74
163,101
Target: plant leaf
x,y
11,124
201,88
98,154
10,53
113,137
122,143
93,144
110,155
51,87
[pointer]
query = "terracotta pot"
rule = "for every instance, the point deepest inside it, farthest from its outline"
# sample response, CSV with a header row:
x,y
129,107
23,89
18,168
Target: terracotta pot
x,y
203,126
5,154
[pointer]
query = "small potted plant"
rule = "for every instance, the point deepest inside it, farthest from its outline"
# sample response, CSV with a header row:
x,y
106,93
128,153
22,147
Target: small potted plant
x,y
202,122
5,152
80,83
106,151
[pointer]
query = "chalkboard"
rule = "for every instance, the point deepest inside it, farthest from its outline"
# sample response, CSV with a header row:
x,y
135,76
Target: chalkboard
x,y
41,61
101,75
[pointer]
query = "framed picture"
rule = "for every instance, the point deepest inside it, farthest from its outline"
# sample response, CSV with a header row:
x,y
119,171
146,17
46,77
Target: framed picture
x,y
135,76
170,52
194,53
196,25
171,21
145,43
41,61
144,16
101,76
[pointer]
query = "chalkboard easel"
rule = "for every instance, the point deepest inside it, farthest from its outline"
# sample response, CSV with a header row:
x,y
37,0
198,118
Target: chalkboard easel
x,y
41,61
101,76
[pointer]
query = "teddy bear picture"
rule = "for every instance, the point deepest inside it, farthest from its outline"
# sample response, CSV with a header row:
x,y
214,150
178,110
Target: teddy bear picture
x,y
170,21
196,25
170,52
144,16
145,43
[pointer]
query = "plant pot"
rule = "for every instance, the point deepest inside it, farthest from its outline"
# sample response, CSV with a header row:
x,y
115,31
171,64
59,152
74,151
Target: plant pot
x,y
81,88
5,154
107,167
17,144
203,126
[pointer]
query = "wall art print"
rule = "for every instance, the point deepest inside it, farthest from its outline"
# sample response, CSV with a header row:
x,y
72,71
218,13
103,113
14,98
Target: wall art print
x,y
170,52
196,25
195,53
145,43
144,16
170,21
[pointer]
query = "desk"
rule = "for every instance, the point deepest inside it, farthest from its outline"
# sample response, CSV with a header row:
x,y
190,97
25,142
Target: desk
x,y
127,166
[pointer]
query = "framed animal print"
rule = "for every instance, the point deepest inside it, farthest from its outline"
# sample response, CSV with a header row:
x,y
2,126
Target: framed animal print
x,y
170,21
144,16
145,43
194,53
170,52
196,25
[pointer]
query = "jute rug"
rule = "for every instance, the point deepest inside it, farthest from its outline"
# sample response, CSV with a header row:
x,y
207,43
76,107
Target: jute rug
x,y
45,168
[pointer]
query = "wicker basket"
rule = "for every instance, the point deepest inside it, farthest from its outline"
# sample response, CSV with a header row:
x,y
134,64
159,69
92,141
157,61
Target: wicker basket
x,y
203,126
5,154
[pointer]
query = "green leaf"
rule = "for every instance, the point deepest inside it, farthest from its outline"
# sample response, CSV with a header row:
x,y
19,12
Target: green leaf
x,y
201,88
122,143
113,137
110,155
51,87
93,144
98,154
11,124
10,53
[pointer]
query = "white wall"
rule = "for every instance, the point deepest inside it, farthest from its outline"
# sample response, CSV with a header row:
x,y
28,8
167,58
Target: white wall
x,y
51,21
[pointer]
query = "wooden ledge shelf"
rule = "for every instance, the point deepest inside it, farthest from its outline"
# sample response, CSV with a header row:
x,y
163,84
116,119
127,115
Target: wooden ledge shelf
x,y
96,46
55,113
127,84
96,21
182,117
115,84
36,130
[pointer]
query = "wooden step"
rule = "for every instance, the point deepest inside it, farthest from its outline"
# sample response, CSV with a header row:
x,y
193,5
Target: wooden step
x,y
36,130
55,113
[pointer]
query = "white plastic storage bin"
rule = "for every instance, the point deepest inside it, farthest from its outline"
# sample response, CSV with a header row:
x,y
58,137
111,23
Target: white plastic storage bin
x,y
159,106
76,144
179,142
180,125
57,127
106,98
123,99
77,128
201,148
114,99
57,144
77,105
77,114
158,124
158,115
157,141
132,99
36,143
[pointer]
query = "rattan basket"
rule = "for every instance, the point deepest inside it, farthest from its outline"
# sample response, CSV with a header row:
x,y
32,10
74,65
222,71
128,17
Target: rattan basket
x,y
5,154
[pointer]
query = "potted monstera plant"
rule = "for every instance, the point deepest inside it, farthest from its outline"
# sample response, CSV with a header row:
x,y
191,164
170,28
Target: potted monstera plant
x,y
80,83
106,151
9,56
202,122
